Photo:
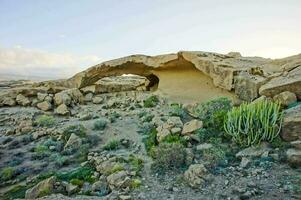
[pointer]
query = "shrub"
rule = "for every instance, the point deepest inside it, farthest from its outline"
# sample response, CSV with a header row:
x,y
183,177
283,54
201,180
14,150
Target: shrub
x,y
7,173
81,173
214,154
136,163
100,124
82,153
213,112
135,183
59,160
177,110
168,157
147,118
116,168
150,140
175,139
252,123
41,151
78,129
16,192
114,116
45,121
111,145
77,182
151,101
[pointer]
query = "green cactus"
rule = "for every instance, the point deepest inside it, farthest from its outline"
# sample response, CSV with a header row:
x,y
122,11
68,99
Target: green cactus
x,y
250,124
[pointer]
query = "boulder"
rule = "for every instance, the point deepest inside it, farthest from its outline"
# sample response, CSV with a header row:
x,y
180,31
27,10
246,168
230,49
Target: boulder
x,y
290,81
166,128
191,126
247,86
285,98
22,100
291,128
119,180
45,106
294,157
88,97
73,142
41,96
8,101
196,175
97,100
69,96
101,186
43,188
254,151
204,146
62,110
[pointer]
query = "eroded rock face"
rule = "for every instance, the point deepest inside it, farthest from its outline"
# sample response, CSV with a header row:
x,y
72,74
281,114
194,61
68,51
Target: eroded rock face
x,y
290,81
291,129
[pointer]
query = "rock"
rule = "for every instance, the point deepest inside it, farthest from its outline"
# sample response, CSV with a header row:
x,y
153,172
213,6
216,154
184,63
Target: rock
x,y
43,188
88,97
45,106
119,180
291,128
38,134
69,96
192,126
175,130
247,86
97,100
62,110
7,101
22,100
244,162
296,144
101,187
290,81
125,197
162,132
24,127
253,151
73,142
164,129
262,98
41,96
204,146
196,175
174,122
70,188
294,157
285,98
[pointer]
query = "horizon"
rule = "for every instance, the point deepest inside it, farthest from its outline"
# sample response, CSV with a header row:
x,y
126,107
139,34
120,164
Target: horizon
x,y
57,40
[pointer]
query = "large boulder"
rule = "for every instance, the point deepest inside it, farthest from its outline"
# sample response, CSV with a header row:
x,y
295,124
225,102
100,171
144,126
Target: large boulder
x,y
45,106
73,142
43,188
291,128
247,86
62,110
68,97
290,81
22,100
285,98
119,180
192,126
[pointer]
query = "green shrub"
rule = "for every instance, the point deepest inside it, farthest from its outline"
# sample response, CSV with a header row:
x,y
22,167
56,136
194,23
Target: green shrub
x,y
168,157
16,192
147,118
214,154
150,140
114,115
136,164
151,101
78,130
77,182
111,145
116,168
59,160
7,173
250,124
213,112
100,124
82,153
175,138
177,110
41,151
81,173
45,121
135,183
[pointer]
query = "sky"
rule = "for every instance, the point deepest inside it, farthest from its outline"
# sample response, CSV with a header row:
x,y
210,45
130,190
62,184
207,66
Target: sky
x,y
55,39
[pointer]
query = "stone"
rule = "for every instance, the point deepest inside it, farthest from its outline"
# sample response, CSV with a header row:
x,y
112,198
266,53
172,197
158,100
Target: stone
x,y
175,130
204,146
290,81
296,144
294,157
125,197
62,110
244,162
191,126
7,101
38,134
73,142
97,100
254,151
22,100
196,175
174,122
43,188
119,180
45,106
71,189
162,132
285,98
262,98
101,186
247,86
24,127
41,96
69,96
88,97
291,127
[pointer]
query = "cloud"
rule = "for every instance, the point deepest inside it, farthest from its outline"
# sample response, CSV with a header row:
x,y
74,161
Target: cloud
x,y
34,62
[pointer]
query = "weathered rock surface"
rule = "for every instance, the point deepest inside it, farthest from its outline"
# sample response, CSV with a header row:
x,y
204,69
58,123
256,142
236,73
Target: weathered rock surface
x,y
45,106
73,142
285,98
62,110
41,188
191,126
22,100
69,96
294,157
291,128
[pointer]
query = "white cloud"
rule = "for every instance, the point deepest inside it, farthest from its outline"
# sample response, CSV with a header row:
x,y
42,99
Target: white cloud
x,y
34,62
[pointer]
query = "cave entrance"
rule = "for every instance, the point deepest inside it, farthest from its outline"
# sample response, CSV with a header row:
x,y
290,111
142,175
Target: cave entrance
x,y
146,83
